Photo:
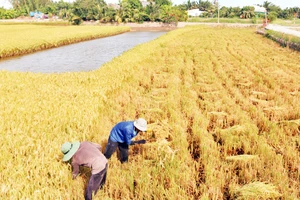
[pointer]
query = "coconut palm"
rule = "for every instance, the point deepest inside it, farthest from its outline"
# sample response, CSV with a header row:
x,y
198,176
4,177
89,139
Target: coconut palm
x,y
267,5
153,11
247,12
205,5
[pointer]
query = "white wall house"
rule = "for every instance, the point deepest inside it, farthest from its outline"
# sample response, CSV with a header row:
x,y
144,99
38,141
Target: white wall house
x,y
258,9
144,3
195,12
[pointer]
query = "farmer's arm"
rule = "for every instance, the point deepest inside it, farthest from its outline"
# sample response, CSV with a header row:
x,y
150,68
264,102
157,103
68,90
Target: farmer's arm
x,y
128,135
128,139
75,171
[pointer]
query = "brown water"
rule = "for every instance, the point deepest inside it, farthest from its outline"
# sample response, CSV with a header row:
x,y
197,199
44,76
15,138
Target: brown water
x,y
83,56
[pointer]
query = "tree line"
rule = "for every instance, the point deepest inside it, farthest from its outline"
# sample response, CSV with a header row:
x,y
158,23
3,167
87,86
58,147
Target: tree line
x,y
246,12
86,10
136,10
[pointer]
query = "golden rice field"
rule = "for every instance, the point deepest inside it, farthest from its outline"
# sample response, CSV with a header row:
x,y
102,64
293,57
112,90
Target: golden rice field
x,y
22,39
223,106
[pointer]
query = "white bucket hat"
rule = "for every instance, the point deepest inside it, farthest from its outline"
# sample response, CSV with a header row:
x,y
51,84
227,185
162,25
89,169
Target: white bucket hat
x,y
69,149
140,124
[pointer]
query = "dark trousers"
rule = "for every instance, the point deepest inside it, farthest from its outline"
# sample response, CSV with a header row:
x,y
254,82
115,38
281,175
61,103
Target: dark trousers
x,y
112,147
96,182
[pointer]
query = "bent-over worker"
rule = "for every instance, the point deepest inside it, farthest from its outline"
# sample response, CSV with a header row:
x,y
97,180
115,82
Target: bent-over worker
x,y
121,135
87,154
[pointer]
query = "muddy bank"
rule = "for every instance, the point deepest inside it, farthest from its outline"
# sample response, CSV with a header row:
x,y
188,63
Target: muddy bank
x,y
281,41
146,26
160,25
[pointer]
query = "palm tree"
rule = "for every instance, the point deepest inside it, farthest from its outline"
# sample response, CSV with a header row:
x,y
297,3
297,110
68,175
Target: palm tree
x,y
247,12
267,5
188,5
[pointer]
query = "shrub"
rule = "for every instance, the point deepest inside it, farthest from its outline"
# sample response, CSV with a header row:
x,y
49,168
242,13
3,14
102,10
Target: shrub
x,y
272,16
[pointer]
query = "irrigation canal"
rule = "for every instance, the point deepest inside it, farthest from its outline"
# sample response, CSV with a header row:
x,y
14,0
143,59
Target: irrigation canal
x,y
83,56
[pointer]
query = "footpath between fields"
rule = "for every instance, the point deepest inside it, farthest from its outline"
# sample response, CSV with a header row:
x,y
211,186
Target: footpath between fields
x,y
283,29
283,35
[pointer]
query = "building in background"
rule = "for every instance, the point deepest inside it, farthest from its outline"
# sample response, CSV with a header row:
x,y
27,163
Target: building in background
x,y
195,13
259,10
5,4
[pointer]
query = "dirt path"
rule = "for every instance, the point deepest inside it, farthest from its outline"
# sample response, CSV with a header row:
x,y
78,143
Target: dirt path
x,y
283,29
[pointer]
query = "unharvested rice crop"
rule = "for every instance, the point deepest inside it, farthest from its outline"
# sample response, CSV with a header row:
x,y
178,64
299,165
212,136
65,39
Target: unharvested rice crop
x,y
22,39
223,107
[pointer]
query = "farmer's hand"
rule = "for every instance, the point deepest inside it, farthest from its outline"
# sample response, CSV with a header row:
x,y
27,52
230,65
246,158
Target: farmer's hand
x,y
74,176
140,142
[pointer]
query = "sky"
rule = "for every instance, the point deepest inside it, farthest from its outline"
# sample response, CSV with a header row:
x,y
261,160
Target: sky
x,y
240,3
228,3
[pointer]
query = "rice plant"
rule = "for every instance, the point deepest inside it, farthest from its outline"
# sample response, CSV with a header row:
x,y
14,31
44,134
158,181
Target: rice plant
x,y
22,39
211,97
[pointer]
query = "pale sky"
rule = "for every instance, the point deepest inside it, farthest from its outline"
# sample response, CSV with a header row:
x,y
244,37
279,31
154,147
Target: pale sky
x,y
228,3
240,3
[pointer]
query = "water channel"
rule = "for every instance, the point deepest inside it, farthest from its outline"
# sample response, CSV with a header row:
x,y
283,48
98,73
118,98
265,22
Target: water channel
x,y
83,56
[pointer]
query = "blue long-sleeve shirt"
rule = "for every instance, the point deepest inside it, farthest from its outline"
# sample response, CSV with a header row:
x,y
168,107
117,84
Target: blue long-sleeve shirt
x,y
123,132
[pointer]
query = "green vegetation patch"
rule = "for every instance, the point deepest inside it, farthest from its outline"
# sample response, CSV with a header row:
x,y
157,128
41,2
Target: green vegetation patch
x,y
284,22
283,36
285,40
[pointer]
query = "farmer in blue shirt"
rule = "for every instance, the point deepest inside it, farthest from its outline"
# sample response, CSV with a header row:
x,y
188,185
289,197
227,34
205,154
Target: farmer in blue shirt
x,y
121,135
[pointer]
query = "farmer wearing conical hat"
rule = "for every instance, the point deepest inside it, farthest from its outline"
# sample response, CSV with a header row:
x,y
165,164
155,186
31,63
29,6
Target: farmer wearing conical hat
x,y
87,154
121,135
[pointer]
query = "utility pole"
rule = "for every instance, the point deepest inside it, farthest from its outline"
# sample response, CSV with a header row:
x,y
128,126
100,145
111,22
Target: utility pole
x,y
218,7
218,11
266,18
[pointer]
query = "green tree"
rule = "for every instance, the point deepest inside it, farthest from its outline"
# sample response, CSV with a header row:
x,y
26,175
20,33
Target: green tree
x,y
289,13
163,2
188,5
135,4
110,15
8,13
125,11
247,12
130,11
89,9
272,16
29,5
224,12
194,4
172,15
153,11
50,8
205,5
63,9
267,5
274,8
234,12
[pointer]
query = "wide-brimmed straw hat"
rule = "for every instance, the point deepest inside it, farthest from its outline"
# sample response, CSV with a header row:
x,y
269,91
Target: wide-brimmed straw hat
x,y
69,149
140,124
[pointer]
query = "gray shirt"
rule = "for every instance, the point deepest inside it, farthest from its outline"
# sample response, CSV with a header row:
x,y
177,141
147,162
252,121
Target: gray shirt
x,y
89,155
